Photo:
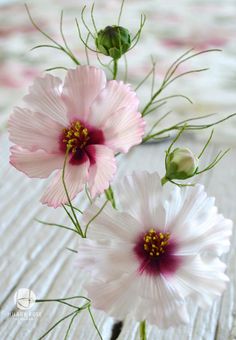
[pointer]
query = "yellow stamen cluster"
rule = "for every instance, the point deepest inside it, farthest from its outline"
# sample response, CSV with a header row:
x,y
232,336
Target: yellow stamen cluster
x,y
155,242
76,137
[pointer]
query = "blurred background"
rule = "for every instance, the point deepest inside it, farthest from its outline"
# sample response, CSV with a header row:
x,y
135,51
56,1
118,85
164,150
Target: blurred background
x,y
171,29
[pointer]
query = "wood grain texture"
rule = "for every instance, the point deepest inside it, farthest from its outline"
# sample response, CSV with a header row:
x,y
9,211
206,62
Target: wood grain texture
x,y
35,256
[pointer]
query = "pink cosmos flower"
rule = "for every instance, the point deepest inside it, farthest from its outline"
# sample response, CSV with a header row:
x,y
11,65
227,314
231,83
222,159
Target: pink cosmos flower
x,y
88,116
156,253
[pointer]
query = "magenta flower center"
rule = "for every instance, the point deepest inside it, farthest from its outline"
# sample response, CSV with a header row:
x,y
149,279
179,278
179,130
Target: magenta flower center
x,y
155,242
75,137
156,252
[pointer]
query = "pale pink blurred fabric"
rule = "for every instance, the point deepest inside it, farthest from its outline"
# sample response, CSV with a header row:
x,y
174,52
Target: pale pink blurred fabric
x,y
170,30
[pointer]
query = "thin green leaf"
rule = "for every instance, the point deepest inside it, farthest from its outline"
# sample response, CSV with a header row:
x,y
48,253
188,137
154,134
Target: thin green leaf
x,y
45,45
173,96
70,325
94,323
92,18
120,13
144,79
184,74
158,121
56,68
68,196
72,250
88,195
56,225
77,209
56,324
69,215
81,37
84,22
94,217
206,145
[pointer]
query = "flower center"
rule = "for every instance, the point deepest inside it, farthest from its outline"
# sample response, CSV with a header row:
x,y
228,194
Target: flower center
x,y
157,253
155,242
76,137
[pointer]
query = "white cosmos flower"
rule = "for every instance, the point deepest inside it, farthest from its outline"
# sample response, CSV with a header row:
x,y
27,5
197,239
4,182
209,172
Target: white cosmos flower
x,y
156,252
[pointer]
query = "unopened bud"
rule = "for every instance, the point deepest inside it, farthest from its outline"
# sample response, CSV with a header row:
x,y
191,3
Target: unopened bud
x,y
181,163
113,41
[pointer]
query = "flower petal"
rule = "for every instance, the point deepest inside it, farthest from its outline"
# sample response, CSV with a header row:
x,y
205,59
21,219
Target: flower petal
x,y
112,224
45,97
161,304
75,178
104,255
202,279
164,307
140,196
33,130
115,111
212,236
205,230
102,168
114,297
191,203
39,164
82,85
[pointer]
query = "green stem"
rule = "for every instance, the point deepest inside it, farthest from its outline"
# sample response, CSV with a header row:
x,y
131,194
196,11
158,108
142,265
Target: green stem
x,y
94,217
94,323
70,324
77,225
164,180
142,330
56,225
151,100
64,299
115,68
57,323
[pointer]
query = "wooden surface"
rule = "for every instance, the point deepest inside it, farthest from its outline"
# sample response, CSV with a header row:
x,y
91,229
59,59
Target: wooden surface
x,y
35,256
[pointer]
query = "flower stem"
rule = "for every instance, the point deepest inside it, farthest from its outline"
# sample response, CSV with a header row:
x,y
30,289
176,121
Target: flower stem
x,y
164,180
142,330
76,222
115,68
94,323
93,218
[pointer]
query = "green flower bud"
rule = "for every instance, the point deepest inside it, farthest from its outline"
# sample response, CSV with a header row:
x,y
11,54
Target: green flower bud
x,y
181,164
113,41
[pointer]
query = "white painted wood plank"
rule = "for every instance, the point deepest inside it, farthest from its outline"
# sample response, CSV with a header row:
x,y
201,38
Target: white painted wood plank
x,y
34,256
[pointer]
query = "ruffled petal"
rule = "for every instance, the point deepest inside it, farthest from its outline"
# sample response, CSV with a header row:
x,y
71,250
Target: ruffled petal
x,y
45,97
38,164
191,210
75,178
115,111
212,236
102,168
82,85
163,307
188,204
118,297
201,279
104,255
112,224
161,304
140,195
173,315
33,130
